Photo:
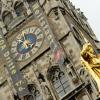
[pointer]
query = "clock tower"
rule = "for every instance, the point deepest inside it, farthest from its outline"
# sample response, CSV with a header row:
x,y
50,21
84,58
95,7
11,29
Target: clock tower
x,y
27,43
45,38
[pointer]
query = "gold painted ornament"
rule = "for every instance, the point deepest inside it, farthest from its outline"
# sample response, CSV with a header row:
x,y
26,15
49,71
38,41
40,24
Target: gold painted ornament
x,y
91,62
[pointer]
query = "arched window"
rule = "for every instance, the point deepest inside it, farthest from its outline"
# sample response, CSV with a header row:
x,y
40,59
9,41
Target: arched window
x,y
7,18
59,81
35,93
20,9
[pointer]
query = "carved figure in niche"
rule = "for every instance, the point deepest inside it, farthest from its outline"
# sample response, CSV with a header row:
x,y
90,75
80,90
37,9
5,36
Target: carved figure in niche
x,y
92,62
34,93
81,14
44,87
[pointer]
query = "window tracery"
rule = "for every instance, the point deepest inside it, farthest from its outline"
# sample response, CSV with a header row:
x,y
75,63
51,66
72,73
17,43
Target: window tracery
x,y
59,81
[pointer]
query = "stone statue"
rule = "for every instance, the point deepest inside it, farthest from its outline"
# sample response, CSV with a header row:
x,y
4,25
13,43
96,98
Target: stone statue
x,y
91,62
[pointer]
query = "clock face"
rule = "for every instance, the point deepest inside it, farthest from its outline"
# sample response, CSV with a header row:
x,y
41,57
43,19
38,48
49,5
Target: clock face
x,y
27,43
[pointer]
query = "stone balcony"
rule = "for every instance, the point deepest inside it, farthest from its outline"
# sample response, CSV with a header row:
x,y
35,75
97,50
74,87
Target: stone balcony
x,y
15,22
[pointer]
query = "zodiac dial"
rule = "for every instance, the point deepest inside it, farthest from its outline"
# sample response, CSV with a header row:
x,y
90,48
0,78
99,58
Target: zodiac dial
x,y
27,43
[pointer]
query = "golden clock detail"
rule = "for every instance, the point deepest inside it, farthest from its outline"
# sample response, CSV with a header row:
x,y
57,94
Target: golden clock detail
x,y
27,43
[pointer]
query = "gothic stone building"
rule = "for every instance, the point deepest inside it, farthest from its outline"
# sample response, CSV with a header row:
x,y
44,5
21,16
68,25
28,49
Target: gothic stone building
x,y
47,80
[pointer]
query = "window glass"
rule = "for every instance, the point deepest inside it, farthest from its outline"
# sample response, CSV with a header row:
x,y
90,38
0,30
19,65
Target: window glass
x,y
60,82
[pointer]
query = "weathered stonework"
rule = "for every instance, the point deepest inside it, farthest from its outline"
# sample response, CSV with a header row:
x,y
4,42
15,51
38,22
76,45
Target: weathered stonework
x,y
46,79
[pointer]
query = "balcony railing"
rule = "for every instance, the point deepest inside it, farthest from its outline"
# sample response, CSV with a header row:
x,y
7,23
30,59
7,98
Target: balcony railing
x,y
15,22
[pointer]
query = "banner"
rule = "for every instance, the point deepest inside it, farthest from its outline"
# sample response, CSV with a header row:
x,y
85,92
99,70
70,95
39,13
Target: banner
x,y
41,17
19,82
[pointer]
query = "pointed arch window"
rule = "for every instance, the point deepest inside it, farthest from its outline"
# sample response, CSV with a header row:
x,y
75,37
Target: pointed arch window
x,y
7,18
59,81
20,9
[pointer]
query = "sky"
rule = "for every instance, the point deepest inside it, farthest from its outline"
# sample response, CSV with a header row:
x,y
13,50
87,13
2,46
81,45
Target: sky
x,y
91,9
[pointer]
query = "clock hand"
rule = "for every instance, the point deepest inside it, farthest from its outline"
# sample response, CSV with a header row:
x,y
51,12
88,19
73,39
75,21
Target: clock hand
x,y
23,34
31,45
19,40
26,44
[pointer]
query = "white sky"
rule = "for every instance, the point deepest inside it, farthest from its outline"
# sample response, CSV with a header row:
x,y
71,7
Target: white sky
x,y
91,9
